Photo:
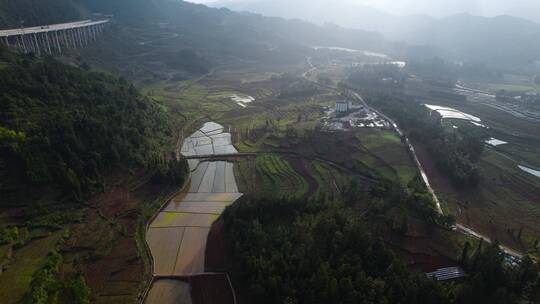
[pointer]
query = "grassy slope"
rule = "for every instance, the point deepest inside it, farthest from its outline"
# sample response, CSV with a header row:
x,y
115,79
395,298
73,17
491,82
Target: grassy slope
x,y
15,281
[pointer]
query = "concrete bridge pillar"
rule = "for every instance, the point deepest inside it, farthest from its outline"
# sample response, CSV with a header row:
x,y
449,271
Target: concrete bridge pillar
x,y
73,41
22,42
28,43
29,40
65,38
84,31
57,42
19,43
79,37
36,45
69,39
33,43
42,43
48,43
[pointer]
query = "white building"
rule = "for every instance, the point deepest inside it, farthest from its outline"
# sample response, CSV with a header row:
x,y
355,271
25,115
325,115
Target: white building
x,y
343,106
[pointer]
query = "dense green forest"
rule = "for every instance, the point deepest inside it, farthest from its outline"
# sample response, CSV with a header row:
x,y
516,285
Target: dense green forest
x,y
36,12
296,251
67,127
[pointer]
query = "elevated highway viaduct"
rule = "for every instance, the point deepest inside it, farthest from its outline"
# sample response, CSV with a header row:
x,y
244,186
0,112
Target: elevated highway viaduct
x,y
54,38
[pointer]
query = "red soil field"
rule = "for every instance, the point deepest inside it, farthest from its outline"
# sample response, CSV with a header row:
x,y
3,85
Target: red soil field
x,y
211,289
121,265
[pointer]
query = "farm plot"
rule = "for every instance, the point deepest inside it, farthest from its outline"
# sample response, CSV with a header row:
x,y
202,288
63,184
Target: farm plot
x,y
329,179
197,207
178,234
167,291
191,254
212,197
230,181
390,157
182,219
207,182
278,177
213,177
209,140
164,244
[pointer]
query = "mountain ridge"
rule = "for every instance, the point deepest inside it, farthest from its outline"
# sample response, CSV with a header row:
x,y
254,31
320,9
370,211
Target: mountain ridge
x,y
459,37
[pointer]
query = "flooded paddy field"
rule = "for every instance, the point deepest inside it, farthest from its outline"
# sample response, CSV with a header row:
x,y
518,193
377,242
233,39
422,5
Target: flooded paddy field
x,y
178,234
209,140
168,291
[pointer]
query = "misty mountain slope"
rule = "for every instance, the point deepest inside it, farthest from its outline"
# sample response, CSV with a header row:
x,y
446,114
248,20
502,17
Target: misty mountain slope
x,y
502,41
206,22
318,11
215,35
37,12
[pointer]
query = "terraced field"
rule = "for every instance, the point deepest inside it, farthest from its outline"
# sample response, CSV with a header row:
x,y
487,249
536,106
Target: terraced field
x,y
209,140
278,175
329,179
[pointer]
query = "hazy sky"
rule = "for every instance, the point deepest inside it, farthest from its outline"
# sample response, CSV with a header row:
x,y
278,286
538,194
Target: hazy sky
x,y
438,8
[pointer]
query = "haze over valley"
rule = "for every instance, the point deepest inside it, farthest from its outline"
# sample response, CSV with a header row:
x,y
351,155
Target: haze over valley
x,y
257,151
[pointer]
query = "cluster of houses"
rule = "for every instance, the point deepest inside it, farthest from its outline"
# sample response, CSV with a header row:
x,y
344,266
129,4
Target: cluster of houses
x,y
346,116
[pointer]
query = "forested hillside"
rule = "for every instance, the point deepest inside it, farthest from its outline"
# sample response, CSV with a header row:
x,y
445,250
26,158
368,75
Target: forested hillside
x,y
36,12
67,127
326,252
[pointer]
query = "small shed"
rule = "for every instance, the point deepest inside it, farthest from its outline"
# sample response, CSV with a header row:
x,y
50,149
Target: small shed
x,y
449,273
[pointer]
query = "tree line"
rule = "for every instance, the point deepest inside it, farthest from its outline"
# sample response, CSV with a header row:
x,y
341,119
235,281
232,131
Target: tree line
x,y
67,127
319,251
